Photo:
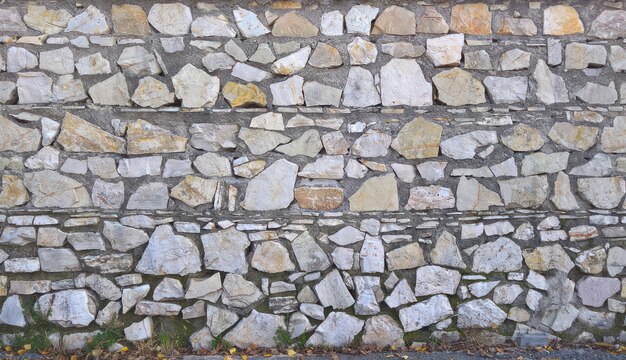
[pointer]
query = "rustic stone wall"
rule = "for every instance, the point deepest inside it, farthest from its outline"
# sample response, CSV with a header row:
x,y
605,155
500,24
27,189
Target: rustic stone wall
x,y
372,173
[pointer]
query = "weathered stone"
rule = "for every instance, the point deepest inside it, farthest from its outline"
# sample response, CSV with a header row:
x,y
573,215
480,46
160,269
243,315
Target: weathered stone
x,y
464,146
431,22
93,64
150,196
310,256
362,52
425,313
339,329
515,26
13,192
332,23
292,63
563,197
271,257
248,95
458,87
480,314
545,258
288,92
239,292
137,61
594,291
34,88
273,188
123,238
436,280
522,137
69,308
360,90
261,141
19,59
332,291
170,19
140,331
609,25
613,137
372,255
168,253
58,260
129,20
579,138
373,143
294,25
603,193
145,138
91,21
561,20
446,252
195,191
385,189
212,26
112,91
209,289
430,197
78,135
309,144
17,138
59,61
359,19
51,189
497,256
213,137
445,50
382,331
473,196
403,50
598,94
107,195
395,20
542,163
248,23
503,90
152,93
319,198
551,88
474,19
581,56
529,192
195,87
226,251
591,261
45,20
515,59
403,83
405,257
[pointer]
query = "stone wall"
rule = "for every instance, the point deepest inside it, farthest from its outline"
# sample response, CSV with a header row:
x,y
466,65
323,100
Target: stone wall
x,y
351,173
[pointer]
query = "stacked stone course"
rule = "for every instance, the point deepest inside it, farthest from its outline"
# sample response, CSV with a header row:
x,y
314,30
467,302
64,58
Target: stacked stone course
x,y
376,172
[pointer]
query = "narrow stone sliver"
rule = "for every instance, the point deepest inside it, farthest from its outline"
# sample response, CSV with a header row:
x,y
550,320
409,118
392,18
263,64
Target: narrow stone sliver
x,y
296,174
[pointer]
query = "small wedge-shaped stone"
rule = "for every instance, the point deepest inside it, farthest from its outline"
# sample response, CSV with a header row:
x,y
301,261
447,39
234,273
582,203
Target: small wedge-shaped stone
x,y
332,291
613,138
91,21
169,254
248,95
248,23
145,138
16,138
294,25
518,27
458,87
395,20
261,141
376,194
152,93
93,64
561,20
14,192
272,189
51,189
402,83
325,56
604,192
446,252
170,19
112,91
574,137
239,292
47,21
123,238
150,196
309,144
360,90
474,19
195,87
418,139
195,191
78,135
550,87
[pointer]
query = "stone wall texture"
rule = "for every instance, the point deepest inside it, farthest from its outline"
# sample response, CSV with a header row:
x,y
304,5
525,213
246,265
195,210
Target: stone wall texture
x,y
375,174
